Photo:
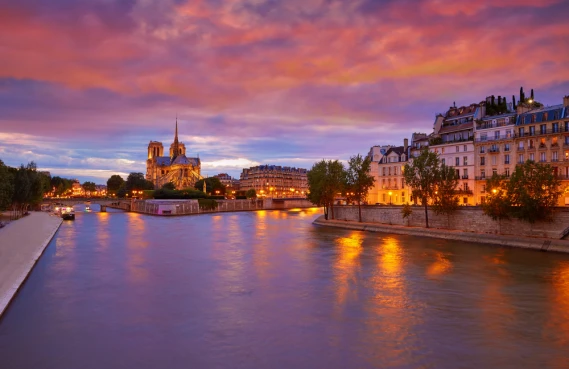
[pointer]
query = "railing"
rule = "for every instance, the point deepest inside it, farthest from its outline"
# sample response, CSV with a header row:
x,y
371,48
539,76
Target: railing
x,y
480,178
494,150
495,138
542,146
465,177
545,132
520,148
390,187
464,192
506,162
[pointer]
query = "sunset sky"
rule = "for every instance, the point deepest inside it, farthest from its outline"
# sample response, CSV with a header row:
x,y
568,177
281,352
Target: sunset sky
x,y
86,84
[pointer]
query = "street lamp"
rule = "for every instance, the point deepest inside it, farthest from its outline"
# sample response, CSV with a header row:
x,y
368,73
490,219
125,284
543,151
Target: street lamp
x,y
494,191
390,193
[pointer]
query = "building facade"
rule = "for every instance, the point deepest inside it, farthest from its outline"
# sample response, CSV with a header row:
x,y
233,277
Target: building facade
x,y
275,181
182,171
375,156
392,188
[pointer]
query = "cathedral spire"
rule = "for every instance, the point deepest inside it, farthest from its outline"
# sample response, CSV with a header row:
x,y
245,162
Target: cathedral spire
x,y
175,145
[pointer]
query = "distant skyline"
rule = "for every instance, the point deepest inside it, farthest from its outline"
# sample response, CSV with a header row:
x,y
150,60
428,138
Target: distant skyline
x,y
85,85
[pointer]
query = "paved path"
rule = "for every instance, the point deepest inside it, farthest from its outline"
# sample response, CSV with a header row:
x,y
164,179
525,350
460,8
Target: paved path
x,y
536,243
21,244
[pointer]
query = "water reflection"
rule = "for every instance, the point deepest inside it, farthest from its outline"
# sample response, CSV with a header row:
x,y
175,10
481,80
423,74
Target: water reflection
x,y
270,290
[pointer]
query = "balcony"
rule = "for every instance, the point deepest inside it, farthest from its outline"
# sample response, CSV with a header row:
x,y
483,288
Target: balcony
x,y
480,178
520,148
506,149
542,146
495,138
494,150
507,162
531,148
555,160
465,177
392,187
462,191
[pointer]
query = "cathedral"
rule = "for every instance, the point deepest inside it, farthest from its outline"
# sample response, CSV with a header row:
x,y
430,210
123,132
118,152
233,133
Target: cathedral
x,y
184,172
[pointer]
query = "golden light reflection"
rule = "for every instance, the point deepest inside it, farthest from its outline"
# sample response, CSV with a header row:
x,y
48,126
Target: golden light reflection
x,y
349,249
560,311
440,266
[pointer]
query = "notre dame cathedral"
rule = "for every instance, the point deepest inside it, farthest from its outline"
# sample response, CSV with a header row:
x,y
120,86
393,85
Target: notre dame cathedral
x,y
184,172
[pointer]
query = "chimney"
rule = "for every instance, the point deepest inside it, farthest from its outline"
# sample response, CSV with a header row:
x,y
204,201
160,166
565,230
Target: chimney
x,y
566,100
406,144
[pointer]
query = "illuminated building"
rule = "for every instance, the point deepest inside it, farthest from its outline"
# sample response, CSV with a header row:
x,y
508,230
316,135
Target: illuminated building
x,y
182,171
275,181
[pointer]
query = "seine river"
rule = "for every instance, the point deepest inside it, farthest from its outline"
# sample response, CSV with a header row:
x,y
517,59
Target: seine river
x,y
268,289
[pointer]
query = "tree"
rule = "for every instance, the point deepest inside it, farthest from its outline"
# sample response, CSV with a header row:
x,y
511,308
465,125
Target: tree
x,y
114,184
497,204
445,199
421,175
212,185
250,194
325,180
169,186
533,190
406,212
6,186
61,185
358,180
136,181
89,186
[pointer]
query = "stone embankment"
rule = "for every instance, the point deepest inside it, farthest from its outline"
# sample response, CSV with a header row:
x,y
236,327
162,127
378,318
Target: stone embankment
x,y
535,243
21,244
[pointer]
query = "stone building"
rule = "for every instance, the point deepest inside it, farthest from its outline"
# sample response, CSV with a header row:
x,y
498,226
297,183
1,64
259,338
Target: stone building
x,y
184,172
228,181
453,140
542,135
275,181
375,155
494,149
392,188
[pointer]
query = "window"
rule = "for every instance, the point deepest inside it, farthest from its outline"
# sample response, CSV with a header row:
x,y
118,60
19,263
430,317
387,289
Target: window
x,y
389,171
482,149
442,150
402,183
554,142
457,161
507,159
506,147
383,171
465,147
522,131
532,131
458,173
497,135
465,173
443,161
482,160
542,157
483,137
494,171
457,148
542,129
465,200
521,145
521,158
494,160
483,188
542,142
384,198
532,157
394,171
507,172
531,145
508,133
482,174
465,160
554,156
555,127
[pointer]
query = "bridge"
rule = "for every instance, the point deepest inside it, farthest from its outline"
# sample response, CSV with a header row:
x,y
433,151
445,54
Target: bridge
x,y
104,203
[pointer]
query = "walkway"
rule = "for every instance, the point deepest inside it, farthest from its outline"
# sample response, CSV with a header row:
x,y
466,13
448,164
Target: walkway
x,y
21,244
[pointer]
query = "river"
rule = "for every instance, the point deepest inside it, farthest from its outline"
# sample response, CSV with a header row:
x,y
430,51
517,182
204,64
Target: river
x,y
268,289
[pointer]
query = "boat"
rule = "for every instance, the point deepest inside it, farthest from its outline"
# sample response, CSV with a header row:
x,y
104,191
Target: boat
x,y
67,213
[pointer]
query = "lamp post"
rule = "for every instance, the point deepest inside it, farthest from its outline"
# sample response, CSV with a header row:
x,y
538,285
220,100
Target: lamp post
x,y
390,193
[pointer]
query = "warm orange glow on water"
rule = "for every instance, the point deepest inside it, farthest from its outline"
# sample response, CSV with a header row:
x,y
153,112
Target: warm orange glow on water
x,y
349,249
440,266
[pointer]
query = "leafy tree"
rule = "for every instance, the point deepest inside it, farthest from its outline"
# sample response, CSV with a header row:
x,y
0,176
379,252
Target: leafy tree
x,y
6,186
325,180
61,185
89,187
136,181
406,212
358,179
212,184
497,204
114,183
445,200
122,191
169,186
533,190
250,194
421,175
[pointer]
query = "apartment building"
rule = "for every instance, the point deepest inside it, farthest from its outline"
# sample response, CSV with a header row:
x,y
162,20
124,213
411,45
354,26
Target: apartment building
x,y
392,188
494,148
275,181
375,155
453,140
542,135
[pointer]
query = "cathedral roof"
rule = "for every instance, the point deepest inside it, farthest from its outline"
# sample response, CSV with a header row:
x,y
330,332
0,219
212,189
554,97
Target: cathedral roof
x,y
183,160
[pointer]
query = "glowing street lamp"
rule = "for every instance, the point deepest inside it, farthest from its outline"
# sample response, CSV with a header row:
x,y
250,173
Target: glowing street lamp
x,y
390,193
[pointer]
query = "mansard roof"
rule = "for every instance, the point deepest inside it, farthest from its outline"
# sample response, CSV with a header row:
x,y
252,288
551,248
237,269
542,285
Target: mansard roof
x,y
456,128
543,114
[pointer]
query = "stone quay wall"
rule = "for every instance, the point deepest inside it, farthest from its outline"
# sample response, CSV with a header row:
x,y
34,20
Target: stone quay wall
x,y
466,219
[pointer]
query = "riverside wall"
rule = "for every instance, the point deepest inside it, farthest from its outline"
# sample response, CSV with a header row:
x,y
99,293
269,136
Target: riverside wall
x,y
466,219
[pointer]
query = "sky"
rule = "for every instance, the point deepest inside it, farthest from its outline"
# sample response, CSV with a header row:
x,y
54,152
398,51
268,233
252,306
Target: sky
x,y
86,84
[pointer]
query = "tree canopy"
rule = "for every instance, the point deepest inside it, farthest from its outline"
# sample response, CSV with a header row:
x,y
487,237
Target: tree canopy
x,y
445,199
421,175
136,181
212,184
358,180
325,180
114,183
89,186
6,186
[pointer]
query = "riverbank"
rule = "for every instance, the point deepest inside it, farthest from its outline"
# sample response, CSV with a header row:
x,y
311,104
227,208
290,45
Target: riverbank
x,y
535,243
21,244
